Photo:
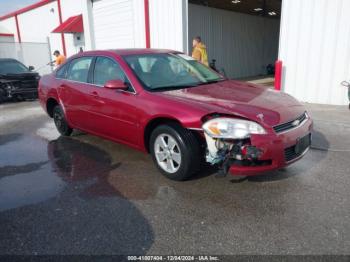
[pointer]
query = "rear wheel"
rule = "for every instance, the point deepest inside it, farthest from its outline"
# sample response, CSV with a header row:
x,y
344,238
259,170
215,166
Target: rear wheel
x,y
175,151
60,121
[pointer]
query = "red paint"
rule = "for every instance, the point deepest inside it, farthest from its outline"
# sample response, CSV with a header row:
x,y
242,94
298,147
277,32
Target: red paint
x,y
123,117
6,35
18,31
62,34
73,24
278,74
26,9
147,24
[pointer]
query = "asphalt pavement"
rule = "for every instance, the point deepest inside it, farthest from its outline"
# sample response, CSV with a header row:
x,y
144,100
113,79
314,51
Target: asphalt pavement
x,y
86,195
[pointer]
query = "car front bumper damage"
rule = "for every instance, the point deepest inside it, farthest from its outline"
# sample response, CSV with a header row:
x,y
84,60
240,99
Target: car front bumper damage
x,y
259,153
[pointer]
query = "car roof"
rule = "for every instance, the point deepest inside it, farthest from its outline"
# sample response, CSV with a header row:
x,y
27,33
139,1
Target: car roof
x,y
130,51
8,59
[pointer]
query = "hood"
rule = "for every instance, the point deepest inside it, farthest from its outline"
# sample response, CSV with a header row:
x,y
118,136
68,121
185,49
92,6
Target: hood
x,y
254,102
21,76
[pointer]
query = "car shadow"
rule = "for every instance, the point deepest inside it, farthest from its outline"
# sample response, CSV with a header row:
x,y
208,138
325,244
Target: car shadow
x,y
7,138
69,207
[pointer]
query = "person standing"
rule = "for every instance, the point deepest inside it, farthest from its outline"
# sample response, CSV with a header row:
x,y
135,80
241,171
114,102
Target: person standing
x,y
60,59
200,51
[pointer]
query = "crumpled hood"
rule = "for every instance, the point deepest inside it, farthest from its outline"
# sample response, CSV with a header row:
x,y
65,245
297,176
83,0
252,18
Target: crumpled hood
x,y
261,104
22,76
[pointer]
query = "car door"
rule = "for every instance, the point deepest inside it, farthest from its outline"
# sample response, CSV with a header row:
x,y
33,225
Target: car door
x,y
116,114
75,93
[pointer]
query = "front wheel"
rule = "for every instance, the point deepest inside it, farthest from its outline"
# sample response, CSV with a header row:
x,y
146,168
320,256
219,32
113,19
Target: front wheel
x,y
175,151
60,121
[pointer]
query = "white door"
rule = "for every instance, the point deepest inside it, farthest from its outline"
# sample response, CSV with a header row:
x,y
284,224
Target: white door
x,y
113,24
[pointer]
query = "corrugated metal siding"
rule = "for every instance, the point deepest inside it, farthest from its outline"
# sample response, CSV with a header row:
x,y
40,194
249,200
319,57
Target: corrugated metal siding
x,y
242,44
118,23
314,47
168,24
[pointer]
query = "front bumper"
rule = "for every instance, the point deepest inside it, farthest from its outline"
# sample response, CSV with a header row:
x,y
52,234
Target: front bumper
x,y
25,91
274,147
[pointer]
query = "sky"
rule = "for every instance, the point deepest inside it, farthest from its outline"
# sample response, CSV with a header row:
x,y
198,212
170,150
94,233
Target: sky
x,y
8,6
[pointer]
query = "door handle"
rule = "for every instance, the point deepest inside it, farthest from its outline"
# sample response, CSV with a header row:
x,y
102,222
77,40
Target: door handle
x,y
95,95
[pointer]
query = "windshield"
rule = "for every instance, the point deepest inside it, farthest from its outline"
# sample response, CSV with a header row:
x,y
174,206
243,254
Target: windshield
x,y
12,67
158,72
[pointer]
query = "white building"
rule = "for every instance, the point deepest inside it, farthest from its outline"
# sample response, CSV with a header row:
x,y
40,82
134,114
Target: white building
x,y
310,37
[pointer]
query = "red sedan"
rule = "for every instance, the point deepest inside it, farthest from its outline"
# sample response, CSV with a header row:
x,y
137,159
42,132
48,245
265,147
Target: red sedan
x,y
183,113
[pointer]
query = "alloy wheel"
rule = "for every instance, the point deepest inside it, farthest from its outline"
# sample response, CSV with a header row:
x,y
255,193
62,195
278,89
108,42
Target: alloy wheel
x,y
167,153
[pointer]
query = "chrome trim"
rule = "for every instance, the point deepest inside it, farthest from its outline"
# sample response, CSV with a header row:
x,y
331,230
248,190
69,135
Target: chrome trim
x,y
95,56
99,86
289,130
195,129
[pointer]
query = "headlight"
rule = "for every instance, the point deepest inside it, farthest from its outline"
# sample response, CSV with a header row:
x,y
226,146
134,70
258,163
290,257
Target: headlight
x,y
230,128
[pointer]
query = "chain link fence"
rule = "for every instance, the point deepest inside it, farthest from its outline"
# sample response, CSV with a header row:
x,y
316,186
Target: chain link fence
x,y
30,54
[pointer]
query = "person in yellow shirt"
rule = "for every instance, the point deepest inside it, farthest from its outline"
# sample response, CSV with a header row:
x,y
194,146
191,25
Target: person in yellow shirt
x,y
200,51
60,59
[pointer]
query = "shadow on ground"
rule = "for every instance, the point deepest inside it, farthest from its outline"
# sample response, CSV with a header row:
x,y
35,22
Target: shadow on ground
x,y
67,206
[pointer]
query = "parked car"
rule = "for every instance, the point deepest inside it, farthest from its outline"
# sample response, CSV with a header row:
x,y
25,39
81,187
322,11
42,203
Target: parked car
x,y
181,112
17,81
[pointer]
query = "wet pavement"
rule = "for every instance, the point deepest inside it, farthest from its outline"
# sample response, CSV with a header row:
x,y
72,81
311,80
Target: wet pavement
x,y
86,195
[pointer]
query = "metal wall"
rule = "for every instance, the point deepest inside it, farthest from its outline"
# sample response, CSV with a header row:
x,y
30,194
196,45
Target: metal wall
x,y
118,24
168,24
242,44
315,49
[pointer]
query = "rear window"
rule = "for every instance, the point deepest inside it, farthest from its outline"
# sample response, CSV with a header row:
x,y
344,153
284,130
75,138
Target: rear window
x,y
79,69
62,72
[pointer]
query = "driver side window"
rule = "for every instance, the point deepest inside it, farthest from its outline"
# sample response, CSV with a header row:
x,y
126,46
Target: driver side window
x,y
106,69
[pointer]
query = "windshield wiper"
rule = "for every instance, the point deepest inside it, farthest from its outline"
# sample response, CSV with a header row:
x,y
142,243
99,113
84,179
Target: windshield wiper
x,y
169,88
215,81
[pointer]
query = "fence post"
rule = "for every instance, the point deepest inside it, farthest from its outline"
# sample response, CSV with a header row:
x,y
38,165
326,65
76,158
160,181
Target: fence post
x,y
49,48
278,75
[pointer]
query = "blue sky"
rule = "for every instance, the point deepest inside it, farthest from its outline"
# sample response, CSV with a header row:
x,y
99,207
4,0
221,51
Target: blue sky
x,y
8,6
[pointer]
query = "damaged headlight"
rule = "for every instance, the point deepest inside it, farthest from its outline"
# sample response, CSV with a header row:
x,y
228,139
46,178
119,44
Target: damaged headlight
x,y
230,128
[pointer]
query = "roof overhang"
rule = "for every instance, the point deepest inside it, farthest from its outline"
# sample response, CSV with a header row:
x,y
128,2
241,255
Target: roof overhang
x,y
265,8
73,24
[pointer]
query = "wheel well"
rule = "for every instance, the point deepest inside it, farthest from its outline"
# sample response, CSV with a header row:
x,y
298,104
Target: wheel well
x,y
50,104
152,125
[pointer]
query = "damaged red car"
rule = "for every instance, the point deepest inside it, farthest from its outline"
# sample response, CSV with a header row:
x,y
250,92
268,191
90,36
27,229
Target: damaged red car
x,y
181,112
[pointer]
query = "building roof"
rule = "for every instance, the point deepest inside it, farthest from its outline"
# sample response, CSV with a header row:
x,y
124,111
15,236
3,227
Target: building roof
x,y
26,9
6,34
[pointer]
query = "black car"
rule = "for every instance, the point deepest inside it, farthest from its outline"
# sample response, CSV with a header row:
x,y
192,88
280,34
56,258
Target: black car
x,y
17,81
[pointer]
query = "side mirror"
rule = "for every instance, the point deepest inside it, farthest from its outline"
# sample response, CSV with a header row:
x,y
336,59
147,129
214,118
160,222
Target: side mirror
x,y
31,68
345,83
116,84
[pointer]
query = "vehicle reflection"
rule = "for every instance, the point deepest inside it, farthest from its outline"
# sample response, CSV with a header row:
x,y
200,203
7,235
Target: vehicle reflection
x,y
93,169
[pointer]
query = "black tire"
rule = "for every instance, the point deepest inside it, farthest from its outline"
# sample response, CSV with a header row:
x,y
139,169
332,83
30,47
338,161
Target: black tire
x,y
60,121
189,150
2,95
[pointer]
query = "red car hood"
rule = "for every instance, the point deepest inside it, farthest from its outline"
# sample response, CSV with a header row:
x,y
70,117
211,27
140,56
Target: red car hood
x,y
250,101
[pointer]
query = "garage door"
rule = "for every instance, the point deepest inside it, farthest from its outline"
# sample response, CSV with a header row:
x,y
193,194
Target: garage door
x,y
113,24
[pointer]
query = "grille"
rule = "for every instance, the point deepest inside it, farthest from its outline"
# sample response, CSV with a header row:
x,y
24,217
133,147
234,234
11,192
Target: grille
x,y
297,150
290,125
29,84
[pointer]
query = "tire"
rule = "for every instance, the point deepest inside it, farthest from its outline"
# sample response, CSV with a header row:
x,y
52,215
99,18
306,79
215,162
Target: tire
x,y
175,151
60,121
